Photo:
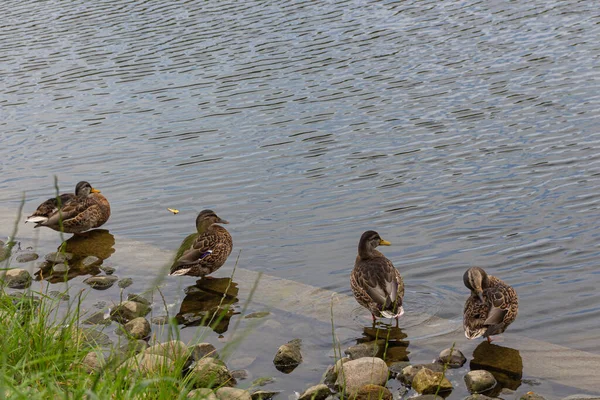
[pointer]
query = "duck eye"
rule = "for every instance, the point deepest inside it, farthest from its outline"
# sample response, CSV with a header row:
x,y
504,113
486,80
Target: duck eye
x,y
477,316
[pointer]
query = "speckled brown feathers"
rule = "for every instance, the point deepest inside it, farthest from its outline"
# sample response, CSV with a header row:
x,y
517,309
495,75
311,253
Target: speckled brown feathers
x,y
205,251
80,211
492,306
375,282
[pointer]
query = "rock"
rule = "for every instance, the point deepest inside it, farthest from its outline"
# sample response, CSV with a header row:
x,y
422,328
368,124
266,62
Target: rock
x,y
93,361
139,299
17,278
407,374
201,350
107,270
160,320
100,282
367,349
479,381
210,372
507,391
94,338
397,367
229,393
262,381
531,396
373,392
138,328
240,374
479,397
174,349
27,257
427,381
357,373
59,295
58,258
128,310
125,282
97,318
581,397
454,358
317,392
149,364
331,374
60,268
202,393
259,314
505,363
427,397
134,347
264,394
91,261
288,356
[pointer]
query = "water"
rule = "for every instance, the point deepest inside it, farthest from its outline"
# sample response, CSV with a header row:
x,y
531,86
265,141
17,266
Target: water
x,y
464,133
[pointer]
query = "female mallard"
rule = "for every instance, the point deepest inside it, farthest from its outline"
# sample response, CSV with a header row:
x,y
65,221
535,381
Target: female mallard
x,y
492,306
205,251
79,212
376,284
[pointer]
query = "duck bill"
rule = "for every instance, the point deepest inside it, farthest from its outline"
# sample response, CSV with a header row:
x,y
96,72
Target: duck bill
x,y
95,190
480,295
222,221
384,243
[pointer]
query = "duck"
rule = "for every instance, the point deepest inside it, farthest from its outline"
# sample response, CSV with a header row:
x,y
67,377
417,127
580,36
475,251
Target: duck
x,y
492,306
81,211
205,251
375,282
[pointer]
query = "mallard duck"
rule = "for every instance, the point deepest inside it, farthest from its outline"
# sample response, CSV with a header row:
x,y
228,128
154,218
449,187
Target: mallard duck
x,y
375,282
492,306
205,251
80,211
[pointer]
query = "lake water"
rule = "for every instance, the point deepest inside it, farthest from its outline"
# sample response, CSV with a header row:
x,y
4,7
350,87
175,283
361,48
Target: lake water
x,y
465,133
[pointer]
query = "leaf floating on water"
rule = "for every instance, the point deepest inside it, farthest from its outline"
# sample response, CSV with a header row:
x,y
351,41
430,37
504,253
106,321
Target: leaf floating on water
x,y
173,210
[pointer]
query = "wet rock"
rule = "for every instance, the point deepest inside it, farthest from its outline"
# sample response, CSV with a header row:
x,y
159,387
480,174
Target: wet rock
x,y
505,363
331,374
480,397
407,374
317,392
128,310
60,268
397,367
288,356
210,372
27,257
107,270
97,318
160,320
93,361
581,397
137,328
134,347
229,393
201,350
479,381
125,283
17,278
241,362
202,393
531,396
100,282
427,397
264,394
240,374
58,257
59,295
427,381
174,349
507,391
138,299
149,364
259,314
90,261
367,349
94,338
262,381
454,358
373,392
357,373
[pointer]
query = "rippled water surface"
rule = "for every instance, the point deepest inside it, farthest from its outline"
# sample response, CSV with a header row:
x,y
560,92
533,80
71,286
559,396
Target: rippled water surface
x,y
466,133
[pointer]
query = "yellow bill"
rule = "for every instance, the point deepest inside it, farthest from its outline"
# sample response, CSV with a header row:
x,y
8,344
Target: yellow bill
x,y
173,210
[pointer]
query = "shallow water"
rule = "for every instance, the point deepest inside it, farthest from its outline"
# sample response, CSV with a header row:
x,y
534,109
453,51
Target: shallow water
x,y
465,133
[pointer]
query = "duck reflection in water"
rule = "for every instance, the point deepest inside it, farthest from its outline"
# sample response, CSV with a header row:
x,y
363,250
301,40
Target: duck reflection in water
x,y
503,362
210,302
387,341
87,250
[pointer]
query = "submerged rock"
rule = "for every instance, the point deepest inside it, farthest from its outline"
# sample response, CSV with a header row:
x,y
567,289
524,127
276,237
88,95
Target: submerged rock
x,y
17,278
138,328
264,394
355,374
160,320
240,374
58,257
90,261
128,310
259,314
368,349
427,381
229,393
100,282
27,257
201,350
59,295
107,270
531,396
407,374
373,392
202,393
210,372
97,318
479,381
138,299
95,338
477,396
263,380
134,347
454,358
317,392
288,356
125,283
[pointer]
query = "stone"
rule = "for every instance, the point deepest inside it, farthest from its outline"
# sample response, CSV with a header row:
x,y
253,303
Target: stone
x,y
201,350
262,381
202,393
125,283
229,393
331,374
93,361
264,394
407,374
355,374
60,268
477,396
137,328
59,295
107,270
94,338
58,257
531,396
581,397
26,257
97,318
160,320
427,381
102,282
210,372
17,278
90,261
174,349
134,347
367,349
138,299
479,381
504,362
317,392
373,392
427,397
259,314
128,310
454,358
288,356
149,364
397,367
240,374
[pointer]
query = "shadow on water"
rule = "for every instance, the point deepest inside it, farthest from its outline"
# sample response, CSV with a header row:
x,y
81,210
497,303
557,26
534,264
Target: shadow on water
x,y
210,302
503,362
87,251
394,340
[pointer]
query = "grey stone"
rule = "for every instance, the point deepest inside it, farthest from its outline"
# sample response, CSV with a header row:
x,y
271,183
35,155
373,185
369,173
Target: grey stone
x,y
134,346
95,338
229,393
479,381
259,314
93,361
27,257
59,295
201,350
479,397
128,310
355,374
367,349
97,318
532,396
138,299
317,392
125,283
60,268
174,349
90,261
373,392
427,381
264,394
209,372
397,367
107,270
137,328
288,356
240,374
100,282
160,320
202,393
407,374
331,374
17,278
149,364
58,257
454,358
262,381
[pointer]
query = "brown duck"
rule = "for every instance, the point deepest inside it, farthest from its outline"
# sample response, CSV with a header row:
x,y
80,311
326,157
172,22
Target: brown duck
x,y
492,306
375,282
205,251
79,212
